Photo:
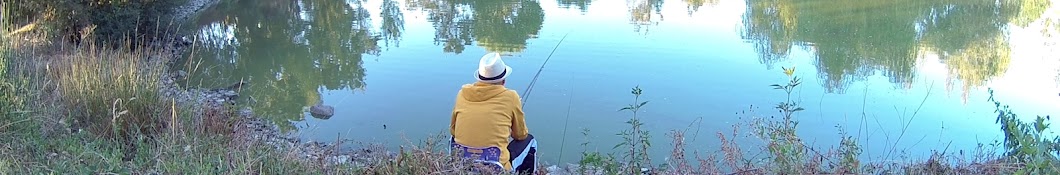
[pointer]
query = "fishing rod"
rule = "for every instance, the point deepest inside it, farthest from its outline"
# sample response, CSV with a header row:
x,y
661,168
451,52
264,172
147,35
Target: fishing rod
x,y
530,87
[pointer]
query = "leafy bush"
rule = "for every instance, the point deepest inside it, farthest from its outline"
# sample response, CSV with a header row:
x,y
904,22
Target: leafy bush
x,y
849,150
594,162
110,21
1026,143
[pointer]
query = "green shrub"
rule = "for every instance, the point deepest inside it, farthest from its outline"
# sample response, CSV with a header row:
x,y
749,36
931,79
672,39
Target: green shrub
x,y
110,21
1026,143
849,151
788,152
594,162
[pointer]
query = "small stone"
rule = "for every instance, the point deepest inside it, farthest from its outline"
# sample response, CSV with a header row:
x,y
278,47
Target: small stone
x,y
229,93
553,169
322,111
339,159
181,74
246,113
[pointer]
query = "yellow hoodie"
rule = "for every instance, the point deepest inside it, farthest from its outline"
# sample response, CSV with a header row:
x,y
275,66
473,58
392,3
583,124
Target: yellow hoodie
x,y
485,115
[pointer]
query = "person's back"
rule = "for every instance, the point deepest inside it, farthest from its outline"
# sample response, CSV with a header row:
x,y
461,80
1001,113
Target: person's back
x,y
486,114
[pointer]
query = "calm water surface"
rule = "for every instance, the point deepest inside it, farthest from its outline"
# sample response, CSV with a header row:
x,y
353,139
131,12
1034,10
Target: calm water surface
x,y
392,68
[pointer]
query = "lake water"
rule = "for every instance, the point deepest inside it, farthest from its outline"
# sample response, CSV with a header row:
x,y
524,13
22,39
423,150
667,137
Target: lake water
x,y
877,69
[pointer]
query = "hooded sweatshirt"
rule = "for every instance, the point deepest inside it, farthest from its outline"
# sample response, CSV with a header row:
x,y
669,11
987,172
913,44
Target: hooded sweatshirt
x,y
485,115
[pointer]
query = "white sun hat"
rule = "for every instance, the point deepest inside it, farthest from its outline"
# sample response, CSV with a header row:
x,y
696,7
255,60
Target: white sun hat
x,y
491,69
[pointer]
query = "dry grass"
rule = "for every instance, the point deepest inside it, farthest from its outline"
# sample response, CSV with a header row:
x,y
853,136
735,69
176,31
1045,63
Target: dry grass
x,y
428,157
112,92
92,109
677,160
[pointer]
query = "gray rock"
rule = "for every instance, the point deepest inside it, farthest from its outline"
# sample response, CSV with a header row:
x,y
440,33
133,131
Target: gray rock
x,y
339,159
180,75
322,111
246,112
554,169
229,93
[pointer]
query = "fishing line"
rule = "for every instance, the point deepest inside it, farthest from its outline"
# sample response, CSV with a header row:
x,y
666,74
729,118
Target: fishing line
x,y
563,141
530,87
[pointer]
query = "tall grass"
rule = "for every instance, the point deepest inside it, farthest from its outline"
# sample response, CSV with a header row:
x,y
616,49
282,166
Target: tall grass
x,y
3,52
7,91
113,96
112,92
10,100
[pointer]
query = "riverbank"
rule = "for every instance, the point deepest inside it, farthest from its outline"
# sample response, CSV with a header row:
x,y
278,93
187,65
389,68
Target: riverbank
x,y
92,109
83,108
200,131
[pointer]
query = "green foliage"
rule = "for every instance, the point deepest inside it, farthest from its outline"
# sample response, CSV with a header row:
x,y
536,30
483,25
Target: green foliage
x,y
636,139
110,21
849,150
1029,11
1026,143
789,154
595,161
10,101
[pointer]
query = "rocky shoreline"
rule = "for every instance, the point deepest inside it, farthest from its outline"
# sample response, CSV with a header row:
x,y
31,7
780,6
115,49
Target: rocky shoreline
x,y
250,127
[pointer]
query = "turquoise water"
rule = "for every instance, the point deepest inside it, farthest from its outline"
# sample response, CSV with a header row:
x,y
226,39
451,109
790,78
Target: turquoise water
x,y
905,76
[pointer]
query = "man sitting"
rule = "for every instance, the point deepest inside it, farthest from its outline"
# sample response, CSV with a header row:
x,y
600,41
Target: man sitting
x,y
486,114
